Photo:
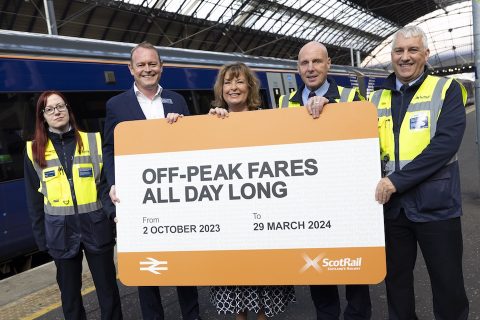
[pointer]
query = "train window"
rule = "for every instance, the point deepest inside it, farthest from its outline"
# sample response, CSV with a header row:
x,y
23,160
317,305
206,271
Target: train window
x,y
264,97
198,101
89,108
187,95
204,99
15,116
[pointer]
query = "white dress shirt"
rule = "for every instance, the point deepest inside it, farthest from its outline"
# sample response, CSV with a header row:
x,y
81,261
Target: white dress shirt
x,y
152,109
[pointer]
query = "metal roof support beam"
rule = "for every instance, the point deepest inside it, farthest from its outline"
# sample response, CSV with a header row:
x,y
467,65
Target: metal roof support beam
x,y
127,30
37,12
260,14
109,24
233,17
207,34
194,34
265,44
77,14
148,17
188,44
66,10
50,17
33,20
147,30
3,9
146,13
86,23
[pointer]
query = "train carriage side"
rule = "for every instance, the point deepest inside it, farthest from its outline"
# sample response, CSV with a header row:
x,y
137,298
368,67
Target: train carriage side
x,y
91,73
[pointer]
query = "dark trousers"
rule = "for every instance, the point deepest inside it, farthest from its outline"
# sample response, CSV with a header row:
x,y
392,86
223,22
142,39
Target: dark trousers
x,y
151,303
69,279
327,302
442,248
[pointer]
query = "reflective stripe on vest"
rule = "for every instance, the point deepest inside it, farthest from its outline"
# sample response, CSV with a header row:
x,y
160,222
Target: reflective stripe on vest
x,y
346,95
286,103
86,169
418,126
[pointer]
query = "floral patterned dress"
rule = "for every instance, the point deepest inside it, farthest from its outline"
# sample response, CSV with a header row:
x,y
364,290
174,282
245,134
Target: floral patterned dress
x,y
235,299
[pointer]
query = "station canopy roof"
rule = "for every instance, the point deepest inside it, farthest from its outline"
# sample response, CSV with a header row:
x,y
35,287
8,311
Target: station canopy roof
x,y
450,40
256,27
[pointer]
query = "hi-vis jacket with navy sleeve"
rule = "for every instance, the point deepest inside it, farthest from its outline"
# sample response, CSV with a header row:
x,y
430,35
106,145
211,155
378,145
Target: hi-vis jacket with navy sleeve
x,y
64,197
418,125
335,93
420,131
61,195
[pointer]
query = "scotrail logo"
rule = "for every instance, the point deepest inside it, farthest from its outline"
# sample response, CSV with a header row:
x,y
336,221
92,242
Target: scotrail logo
x,y
320,263
342,264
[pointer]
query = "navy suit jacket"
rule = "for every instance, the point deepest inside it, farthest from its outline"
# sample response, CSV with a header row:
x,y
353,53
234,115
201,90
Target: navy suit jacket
x,y
125,107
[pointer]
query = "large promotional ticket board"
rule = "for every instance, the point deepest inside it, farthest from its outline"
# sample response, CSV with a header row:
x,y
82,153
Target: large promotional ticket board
x,y
264,197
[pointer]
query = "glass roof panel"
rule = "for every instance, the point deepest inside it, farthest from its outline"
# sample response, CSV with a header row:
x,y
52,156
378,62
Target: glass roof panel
x,y
170,5
203,11
307,33
217,12
449,36
275,16
259,23
256,22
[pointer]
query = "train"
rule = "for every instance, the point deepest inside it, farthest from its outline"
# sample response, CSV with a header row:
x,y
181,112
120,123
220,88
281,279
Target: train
x,y
470,87
89,72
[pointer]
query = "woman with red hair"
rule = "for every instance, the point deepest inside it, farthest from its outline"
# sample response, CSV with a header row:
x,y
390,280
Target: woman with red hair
x,y
63,180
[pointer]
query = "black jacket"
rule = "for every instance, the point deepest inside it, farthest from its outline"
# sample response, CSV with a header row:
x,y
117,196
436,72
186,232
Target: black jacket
x,y
125,107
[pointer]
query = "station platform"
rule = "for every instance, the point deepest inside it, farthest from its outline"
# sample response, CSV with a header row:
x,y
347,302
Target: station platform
x,y
34,294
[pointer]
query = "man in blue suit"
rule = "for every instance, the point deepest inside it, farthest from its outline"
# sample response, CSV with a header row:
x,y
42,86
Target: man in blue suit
x,y
146,100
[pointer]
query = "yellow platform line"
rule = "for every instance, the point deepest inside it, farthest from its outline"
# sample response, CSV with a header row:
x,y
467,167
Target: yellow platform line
x,y
32,306
54,306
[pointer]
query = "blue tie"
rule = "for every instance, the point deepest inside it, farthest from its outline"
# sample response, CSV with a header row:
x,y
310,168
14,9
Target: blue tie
x,y
311,94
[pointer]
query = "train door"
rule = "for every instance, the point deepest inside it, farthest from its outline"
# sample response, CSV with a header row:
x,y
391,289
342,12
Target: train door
x,y
275,87
280,84
289,83
15,229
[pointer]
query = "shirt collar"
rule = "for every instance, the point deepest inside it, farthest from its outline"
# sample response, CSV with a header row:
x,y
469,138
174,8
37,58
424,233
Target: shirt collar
x,y
138,92
399,84
321,91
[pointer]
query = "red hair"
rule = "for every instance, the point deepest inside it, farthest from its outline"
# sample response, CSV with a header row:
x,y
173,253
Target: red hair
x,y
40,138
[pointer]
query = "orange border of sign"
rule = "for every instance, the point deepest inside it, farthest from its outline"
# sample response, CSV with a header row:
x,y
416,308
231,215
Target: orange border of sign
x,y
262,267
342,121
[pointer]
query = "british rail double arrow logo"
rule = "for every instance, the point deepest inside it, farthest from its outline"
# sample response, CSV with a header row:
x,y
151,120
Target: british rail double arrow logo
x,y
153,265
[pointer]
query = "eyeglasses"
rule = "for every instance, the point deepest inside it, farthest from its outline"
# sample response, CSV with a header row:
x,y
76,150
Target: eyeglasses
x,y
51,110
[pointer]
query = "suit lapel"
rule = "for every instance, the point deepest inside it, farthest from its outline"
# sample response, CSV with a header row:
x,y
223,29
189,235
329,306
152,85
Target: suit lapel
x,y
168,108
134,107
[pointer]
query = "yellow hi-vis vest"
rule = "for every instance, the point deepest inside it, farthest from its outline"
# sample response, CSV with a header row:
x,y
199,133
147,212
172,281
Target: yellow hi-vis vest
x,y
419,124
86,169
346,95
